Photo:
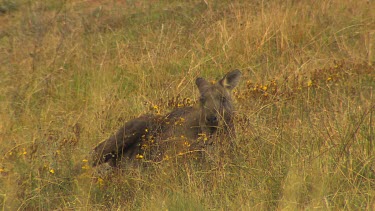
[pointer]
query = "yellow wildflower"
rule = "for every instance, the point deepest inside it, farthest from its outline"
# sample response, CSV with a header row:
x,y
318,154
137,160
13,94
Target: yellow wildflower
x,y
52,171
100,181
85,167
202,136
144,146
139,156
309,83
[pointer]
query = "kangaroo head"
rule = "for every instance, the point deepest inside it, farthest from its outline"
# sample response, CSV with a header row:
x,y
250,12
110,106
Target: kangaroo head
x,y
216,102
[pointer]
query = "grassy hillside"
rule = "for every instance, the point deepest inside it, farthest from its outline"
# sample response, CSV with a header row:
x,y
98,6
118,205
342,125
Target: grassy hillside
x,y
72,72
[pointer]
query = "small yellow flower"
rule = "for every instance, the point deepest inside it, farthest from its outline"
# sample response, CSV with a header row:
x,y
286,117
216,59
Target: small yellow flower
x,y
146,130
202,136
52,171
85,167
24,151
144,146
166,157
156,108
264,88
139,156
329,78
309,83
100,181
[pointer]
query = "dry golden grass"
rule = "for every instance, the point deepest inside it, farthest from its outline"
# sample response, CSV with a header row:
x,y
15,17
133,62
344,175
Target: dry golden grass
x,y
72,72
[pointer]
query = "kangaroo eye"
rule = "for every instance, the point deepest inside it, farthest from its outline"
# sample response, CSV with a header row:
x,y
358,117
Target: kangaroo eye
x,y
202,100
224,99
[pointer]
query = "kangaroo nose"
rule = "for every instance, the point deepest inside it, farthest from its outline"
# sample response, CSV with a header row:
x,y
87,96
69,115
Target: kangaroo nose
x,y
212,119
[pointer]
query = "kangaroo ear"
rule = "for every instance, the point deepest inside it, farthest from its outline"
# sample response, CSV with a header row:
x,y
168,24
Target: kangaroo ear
x,y
202,84
231,79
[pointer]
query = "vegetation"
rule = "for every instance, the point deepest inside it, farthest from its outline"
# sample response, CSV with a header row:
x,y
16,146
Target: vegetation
x,y
72,72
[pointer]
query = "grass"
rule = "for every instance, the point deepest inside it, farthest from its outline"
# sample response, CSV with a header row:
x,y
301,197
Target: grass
x,y
72,72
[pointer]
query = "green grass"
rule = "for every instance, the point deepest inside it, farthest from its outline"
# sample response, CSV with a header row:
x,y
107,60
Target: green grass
x,y
72,72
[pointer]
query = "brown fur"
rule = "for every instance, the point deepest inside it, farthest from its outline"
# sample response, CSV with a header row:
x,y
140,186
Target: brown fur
x,y
189,127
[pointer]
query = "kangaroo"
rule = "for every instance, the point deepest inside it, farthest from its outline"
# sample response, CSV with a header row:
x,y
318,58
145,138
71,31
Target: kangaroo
x,y
193,127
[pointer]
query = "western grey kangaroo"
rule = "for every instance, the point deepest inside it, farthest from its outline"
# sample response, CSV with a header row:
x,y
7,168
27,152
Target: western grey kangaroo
x,y
147,136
